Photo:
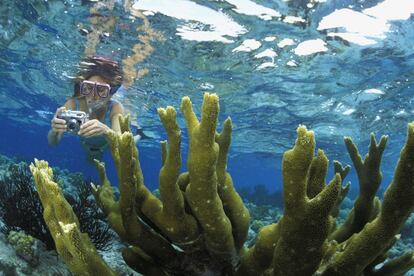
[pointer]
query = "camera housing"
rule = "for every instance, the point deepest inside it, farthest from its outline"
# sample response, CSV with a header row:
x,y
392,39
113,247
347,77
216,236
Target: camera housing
x,y
74,119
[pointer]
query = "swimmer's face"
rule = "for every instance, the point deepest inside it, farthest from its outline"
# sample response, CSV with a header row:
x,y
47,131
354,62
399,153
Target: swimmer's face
x,y
96,92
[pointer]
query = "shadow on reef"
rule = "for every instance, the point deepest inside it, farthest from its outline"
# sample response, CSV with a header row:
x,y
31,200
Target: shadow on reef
x,y
199,224
21,209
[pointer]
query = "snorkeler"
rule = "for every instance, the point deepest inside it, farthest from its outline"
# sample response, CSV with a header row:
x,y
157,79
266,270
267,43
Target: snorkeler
x,y
98,80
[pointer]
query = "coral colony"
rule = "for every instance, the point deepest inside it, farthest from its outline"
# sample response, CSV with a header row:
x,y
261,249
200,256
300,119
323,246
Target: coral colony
x,y
199,225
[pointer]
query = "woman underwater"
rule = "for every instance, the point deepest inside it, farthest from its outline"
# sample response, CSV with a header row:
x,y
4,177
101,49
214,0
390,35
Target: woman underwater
x,y
98,80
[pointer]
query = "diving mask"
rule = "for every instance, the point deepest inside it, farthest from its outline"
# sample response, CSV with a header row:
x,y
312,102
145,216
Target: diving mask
x,y
103,90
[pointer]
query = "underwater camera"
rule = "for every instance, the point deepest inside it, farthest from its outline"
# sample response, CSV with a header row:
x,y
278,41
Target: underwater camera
x,y
74,119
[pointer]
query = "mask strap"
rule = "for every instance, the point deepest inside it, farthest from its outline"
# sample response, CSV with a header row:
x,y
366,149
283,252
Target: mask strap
x,y
76,90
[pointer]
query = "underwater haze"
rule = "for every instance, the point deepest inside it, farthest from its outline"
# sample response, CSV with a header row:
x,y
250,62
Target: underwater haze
x,y
342,68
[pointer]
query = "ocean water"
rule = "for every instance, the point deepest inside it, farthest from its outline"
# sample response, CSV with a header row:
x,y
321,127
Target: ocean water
x,y
340,67
249,56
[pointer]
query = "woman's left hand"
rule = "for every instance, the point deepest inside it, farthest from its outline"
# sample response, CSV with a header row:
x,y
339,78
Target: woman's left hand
x,y
92,128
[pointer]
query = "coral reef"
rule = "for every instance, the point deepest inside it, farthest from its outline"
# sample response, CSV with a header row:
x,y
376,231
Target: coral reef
x,y
11,263
24,245
91,219
75,248
19,200
199,224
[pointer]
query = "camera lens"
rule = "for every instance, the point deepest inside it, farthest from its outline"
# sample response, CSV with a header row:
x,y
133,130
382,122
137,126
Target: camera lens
x,y
72,125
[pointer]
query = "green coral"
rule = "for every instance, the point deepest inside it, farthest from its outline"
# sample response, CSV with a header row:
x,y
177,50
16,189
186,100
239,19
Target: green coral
x,y
199,224
22,243
76,249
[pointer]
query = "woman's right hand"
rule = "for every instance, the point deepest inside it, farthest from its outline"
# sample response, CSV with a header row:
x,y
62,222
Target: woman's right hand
x,y
58,125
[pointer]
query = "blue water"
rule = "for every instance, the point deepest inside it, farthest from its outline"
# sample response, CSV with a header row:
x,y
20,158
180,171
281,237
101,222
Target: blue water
x,y
349,89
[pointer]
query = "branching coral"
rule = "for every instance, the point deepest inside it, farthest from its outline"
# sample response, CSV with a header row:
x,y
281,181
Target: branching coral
x,y
75,248
92,220
199,224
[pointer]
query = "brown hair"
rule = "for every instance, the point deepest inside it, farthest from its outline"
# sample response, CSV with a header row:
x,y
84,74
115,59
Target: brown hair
x,y
98,66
